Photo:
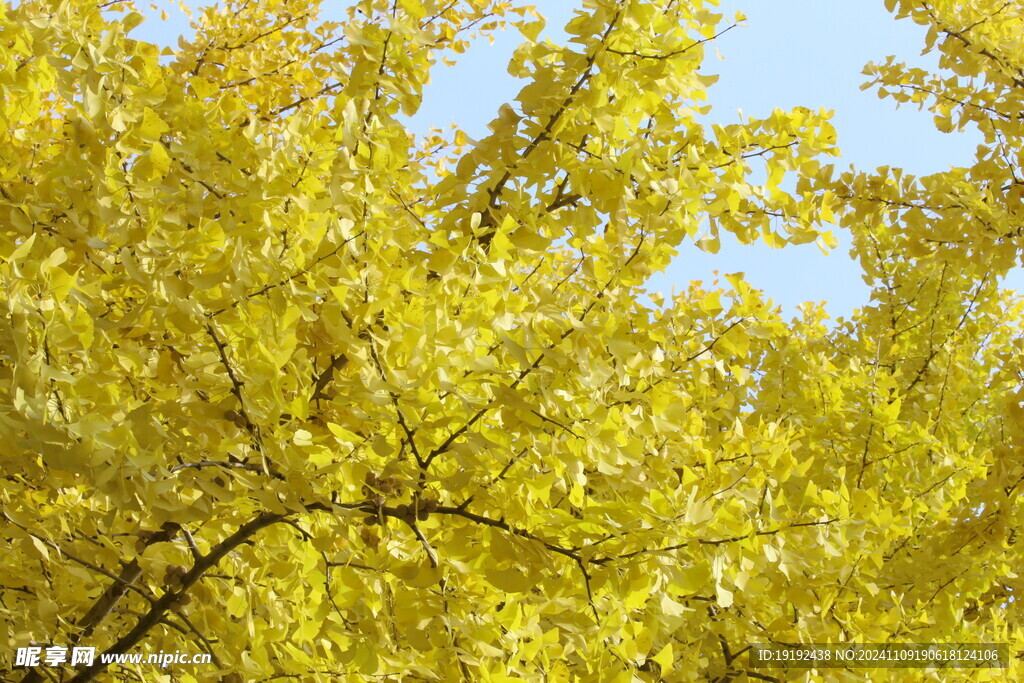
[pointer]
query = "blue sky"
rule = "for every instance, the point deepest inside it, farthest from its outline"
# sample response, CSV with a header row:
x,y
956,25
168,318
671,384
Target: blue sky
x,y
787,53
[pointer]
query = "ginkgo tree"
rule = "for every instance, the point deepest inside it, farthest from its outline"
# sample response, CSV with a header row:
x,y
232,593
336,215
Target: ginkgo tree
x,y
288,385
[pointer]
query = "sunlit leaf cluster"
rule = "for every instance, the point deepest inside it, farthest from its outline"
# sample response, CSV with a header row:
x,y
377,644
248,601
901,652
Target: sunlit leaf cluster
x,y
283,382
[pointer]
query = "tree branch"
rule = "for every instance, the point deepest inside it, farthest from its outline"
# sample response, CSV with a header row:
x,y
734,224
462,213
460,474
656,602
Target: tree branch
x,y
167,600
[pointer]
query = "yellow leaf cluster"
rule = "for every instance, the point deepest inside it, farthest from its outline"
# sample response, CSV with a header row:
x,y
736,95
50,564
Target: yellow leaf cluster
x,y
283,382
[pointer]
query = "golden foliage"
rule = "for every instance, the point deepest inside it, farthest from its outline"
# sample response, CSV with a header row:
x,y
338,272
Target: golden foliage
x,y
284,383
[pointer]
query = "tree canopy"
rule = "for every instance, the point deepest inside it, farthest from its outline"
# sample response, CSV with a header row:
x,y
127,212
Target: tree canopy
x,y
285,383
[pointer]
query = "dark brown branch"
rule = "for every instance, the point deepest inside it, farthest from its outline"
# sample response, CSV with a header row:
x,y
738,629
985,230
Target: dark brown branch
x,y
106,603
674,53
499,524
523,374
198,634
266,288
337,363
213,463
498,477
556,423
168,599
553,120
706,541
236,390
711,346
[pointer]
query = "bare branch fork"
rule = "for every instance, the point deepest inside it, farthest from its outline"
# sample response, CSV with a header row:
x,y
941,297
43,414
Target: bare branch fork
x,y
162,605
106,603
